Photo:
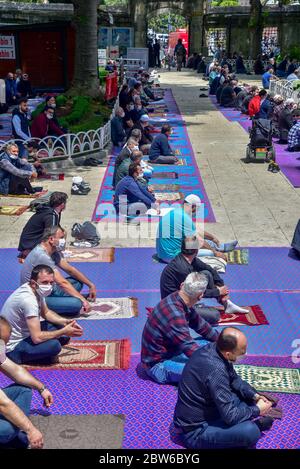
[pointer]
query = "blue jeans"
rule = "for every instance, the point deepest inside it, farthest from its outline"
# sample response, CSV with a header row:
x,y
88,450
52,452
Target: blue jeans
x,y
170,371
61,303
218,435
21,396
28,352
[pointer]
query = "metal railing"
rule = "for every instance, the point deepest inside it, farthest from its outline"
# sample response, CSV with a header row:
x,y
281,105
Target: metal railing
x,y
286,89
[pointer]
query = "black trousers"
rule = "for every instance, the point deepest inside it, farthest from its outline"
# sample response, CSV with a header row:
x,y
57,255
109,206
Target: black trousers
x,y
18,185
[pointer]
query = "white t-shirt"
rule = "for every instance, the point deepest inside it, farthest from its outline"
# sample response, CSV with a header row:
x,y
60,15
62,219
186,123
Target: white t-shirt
x,y
21,305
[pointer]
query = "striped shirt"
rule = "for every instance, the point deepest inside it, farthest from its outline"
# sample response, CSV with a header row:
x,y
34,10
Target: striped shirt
x,y
166,332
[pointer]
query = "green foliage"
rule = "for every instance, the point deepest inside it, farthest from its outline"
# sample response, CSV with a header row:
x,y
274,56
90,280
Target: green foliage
x,y
294,52
225,3
61,100
159,24
102,74
81,106
114,2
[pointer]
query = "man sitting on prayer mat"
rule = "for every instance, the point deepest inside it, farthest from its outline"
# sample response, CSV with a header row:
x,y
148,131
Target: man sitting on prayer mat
x,y
177,224
166,342
187,262
160,151
215,407
37,333
65,298
44,217
16,430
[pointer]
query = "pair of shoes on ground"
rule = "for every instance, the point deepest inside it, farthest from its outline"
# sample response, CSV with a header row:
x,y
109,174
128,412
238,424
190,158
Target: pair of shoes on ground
x,y
79,186
273,167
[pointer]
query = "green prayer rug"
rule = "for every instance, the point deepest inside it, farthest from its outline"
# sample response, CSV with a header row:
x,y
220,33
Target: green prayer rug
x,y
270,379
238,256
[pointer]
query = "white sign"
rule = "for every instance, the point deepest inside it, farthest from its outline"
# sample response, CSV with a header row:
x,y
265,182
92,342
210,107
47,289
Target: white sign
x,y
7,47
102,57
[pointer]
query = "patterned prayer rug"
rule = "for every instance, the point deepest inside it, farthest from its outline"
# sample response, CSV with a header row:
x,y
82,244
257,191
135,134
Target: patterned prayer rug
x,y
165,187
25,196
271,379
91,355
113,308
181,162
255,317
168,196
238,256
165,175
13,210
73,254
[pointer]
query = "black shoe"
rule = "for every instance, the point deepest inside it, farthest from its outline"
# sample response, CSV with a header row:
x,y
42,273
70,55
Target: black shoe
x,y
264,423
76,190
37,189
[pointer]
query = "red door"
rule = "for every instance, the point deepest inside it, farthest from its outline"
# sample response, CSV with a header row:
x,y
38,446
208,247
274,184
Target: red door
x,y
42,57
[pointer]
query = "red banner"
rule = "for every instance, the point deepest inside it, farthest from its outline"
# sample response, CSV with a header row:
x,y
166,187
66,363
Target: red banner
x,y
111,88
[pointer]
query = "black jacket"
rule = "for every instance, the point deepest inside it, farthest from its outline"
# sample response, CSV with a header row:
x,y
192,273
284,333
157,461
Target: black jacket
x,y
32,233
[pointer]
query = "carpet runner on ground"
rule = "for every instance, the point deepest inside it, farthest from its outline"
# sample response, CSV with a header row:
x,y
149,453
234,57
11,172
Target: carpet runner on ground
x,y
288,161
189,177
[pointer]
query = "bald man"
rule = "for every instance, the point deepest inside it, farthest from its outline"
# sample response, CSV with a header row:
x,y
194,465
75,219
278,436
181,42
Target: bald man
x,y
215,407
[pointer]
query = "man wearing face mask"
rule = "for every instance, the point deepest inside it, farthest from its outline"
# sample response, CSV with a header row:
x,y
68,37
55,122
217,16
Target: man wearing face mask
x,y
15,173
118,134
44,126
215,407
65,298
32,340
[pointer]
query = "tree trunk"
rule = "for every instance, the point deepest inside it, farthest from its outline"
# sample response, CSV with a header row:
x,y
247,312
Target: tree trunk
x,y
255,28
86,79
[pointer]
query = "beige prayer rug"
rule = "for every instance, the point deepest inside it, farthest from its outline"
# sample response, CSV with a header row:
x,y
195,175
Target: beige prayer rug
x,y
112,308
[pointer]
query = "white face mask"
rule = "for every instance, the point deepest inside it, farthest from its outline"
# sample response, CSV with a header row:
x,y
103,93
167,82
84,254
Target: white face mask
x,y
52,105
131,107
139,108
49,116
136,148
44,290
61,244
13,157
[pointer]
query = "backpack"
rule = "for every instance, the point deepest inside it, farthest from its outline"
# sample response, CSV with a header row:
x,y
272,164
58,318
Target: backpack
x,y
42,200
86,232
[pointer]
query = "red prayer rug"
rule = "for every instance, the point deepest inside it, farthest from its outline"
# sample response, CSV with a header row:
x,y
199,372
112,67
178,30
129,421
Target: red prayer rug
x,y
255,317
91,355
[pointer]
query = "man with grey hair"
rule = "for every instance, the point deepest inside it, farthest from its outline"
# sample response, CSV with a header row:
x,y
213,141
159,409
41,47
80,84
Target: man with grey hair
x,y
167,343
286,120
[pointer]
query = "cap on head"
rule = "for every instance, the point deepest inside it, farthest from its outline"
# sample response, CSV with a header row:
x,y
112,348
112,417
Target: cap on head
x,y
144,118
192,199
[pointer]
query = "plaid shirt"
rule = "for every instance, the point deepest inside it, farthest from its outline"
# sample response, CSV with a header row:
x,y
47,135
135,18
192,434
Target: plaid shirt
x,y
166,332
294,136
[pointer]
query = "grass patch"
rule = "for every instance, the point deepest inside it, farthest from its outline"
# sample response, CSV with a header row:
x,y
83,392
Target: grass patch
x,y
79,113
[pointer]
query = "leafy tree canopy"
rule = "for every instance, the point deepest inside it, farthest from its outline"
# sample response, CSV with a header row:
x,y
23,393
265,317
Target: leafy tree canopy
x,y
160,24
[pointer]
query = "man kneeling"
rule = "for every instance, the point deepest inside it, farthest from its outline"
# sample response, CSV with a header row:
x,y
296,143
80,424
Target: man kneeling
x,y
167,343
215,407
32,340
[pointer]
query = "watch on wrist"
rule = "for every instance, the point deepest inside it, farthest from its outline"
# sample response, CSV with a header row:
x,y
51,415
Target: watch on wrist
x,y
42,390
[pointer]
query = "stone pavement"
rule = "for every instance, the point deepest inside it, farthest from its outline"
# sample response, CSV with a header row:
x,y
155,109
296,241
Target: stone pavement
x,y
250,204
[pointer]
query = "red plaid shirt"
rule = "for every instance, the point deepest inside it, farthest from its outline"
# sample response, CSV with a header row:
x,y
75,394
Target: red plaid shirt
x,y
166,332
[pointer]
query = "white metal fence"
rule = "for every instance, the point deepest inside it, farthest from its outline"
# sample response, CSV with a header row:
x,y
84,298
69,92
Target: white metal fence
x,y
70,145
285,89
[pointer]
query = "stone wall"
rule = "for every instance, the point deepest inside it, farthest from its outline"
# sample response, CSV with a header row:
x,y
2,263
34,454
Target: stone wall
x,y
27,13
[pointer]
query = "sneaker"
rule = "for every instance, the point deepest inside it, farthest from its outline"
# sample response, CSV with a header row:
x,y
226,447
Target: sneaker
x,y
76,190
